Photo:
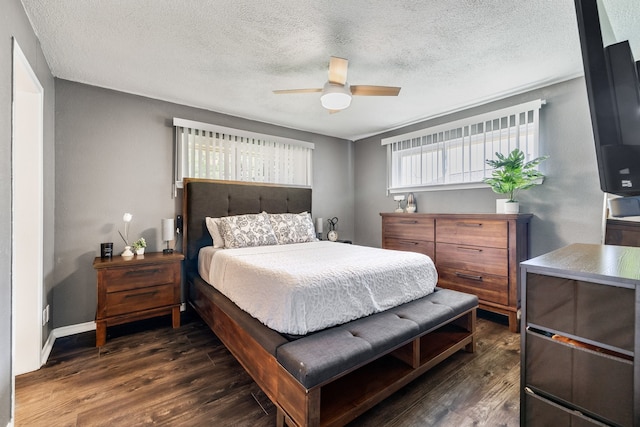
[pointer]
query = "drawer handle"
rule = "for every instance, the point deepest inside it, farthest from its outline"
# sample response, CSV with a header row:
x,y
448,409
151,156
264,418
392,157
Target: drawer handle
x,y
404,242
150,293
409,222
469,276
470,249
469,224
142,272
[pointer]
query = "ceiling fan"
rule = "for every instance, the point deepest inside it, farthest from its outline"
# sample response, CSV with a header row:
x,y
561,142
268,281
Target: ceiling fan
x,y
336,92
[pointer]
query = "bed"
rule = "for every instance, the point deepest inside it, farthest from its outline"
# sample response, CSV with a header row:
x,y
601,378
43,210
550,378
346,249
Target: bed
x,y
374,352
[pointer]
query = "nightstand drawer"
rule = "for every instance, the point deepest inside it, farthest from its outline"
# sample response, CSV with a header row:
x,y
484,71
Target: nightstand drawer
x,y
486,286
120,279
419,246
139,299
584,379
408,227
472,232
574,307
474,258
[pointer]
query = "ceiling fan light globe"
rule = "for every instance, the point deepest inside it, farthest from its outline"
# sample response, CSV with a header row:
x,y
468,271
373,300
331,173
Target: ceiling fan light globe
x,y
335,101
335,97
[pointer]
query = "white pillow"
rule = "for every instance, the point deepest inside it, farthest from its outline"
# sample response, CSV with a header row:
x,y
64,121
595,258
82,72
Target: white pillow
x,y
213,225
293,228
247,230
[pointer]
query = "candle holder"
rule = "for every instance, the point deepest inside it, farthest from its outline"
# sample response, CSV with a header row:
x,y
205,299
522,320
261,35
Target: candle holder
x,y
399,199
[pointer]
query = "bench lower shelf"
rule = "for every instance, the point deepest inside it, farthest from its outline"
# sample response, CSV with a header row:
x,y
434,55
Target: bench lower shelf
x,y
344,398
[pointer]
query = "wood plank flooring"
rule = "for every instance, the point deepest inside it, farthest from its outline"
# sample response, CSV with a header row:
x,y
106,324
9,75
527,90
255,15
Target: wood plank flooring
x,y
151,374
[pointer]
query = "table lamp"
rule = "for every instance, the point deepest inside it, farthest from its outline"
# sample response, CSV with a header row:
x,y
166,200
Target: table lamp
x,y
168,232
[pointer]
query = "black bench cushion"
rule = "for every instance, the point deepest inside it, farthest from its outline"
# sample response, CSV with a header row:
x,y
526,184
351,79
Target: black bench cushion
x,y
316,358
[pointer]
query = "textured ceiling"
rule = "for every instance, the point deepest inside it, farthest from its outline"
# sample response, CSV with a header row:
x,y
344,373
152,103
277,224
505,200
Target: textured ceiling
x,y
228,56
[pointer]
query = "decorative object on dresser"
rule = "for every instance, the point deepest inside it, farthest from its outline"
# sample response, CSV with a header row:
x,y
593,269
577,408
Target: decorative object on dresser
x,y
473,253
580,338
127,217
399,198
137,288
106,250
411,203
139,246
510,175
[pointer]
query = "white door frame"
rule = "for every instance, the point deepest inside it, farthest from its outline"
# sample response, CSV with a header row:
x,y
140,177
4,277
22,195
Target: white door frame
x,y
27,224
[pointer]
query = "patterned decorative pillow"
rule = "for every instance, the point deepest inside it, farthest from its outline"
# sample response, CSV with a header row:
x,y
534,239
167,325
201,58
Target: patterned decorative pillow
x,y
293,228
241,231
213,225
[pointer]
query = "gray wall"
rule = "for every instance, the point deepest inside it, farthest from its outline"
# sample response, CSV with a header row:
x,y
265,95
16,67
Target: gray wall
x,y
114,154
14,23
567,208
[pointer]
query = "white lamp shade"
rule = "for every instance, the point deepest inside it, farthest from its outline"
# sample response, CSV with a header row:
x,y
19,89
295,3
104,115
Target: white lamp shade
x,y
168,229
319,222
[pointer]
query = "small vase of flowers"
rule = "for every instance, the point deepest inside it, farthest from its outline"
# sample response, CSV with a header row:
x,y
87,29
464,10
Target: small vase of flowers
x,y
139,246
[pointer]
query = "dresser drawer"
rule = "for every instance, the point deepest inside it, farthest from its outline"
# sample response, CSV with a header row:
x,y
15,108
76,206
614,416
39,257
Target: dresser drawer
x,y
120,279
408,227
486,287
474,258
472,232
139,299
420,246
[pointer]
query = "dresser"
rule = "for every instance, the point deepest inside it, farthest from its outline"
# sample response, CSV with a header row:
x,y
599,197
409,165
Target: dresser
x,y
474,253
135,288
581,320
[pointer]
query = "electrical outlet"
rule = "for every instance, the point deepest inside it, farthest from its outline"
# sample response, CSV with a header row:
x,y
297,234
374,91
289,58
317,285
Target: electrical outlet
x,y
45,315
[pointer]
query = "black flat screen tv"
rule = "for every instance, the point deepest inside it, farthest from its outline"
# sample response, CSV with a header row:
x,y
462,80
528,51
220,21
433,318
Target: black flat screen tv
x,y
613,90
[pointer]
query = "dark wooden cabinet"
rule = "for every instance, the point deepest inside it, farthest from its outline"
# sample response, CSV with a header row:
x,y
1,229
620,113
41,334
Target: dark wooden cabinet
x,y
473,253
622,232
134,288
581,316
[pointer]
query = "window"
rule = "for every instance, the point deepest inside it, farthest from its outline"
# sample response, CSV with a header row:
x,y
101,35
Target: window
x,y
453,155
216,152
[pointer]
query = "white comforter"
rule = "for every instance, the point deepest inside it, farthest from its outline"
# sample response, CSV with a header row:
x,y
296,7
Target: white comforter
x,y
305,287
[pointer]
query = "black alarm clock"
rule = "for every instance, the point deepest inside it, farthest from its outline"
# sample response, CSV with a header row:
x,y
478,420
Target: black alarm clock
x,y
332,235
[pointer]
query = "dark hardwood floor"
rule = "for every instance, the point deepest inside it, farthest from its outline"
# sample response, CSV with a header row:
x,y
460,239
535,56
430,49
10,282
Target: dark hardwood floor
x,y
151,374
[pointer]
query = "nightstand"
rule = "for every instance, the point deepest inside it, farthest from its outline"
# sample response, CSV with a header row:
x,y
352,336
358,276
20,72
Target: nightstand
x,y
135,288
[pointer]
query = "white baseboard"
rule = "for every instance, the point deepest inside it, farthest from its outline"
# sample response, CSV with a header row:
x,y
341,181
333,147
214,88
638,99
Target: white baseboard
x,y
46,349
66,331
63,331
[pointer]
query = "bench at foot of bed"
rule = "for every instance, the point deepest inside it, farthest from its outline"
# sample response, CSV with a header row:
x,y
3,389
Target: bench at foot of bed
x,y
331,377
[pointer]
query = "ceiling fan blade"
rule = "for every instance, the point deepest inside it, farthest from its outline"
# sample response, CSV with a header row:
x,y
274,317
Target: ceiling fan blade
x,y
338,70
364,90
285,91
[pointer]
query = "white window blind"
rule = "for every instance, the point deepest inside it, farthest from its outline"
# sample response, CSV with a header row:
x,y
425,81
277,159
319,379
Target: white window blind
x,y
452,155
216,152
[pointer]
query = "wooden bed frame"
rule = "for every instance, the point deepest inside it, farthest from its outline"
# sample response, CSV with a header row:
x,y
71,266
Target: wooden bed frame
x,y
343,397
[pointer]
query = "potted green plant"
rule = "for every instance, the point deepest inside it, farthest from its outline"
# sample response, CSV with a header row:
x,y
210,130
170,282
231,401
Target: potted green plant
x,y
139,246
511,174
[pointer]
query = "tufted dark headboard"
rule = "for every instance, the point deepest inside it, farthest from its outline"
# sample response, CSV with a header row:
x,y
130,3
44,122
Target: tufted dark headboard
x,y
203,198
